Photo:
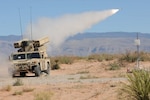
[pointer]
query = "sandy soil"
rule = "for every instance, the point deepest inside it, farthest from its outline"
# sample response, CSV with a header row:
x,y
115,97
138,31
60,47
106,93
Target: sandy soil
x,y
85,87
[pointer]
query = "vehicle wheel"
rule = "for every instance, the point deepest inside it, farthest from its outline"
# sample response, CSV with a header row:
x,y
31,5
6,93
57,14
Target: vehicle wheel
x,y
48,69
22,74
37,71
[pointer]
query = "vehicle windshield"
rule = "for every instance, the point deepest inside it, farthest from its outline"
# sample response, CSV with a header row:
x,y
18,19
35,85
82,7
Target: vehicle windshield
x,y
33,55
18,56
26,56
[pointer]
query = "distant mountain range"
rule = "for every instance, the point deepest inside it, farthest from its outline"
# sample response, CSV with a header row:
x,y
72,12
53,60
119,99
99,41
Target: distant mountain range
x,y
88,43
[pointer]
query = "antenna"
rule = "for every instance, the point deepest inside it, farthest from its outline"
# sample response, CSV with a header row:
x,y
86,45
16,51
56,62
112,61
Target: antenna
x,y
20,23
138,53
31,20
137,43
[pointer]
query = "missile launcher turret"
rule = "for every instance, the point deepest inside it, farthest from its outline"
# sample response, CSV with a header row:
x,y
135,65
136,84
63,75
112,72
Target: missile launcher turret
x,y
30,45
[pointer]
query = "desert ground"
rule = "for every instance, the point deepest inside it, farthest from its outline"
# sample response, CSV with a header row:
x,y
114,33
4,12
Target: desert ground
x,y
81,80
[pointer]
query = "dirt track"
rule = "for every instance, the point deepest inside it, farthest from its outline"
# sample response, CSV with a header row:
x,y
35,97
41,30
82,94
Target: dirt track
x,y
57,79
79,72
65,87
81,80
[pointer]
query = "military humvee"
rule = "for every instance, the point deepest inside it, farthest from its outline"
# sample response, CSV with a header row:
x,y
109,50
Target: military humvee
x,y
31,57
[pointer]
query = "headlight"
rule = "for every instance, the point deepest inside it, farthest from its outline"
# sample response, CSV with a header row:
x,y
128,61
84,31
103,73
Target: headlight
x,y
33,62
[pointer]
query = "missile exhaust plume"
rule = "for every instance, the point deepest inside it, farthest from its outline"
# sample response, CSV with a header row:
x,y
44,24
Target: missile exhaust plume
x,y
59,29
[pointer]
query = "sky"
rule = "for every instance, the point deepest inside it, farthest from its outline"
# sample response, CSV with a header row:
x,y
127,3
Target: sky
x,y
133,15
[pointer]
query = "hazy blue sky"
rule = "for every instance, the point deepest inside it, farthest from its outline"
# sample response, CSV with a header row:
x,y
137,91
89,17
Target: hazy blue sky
x,y
134,15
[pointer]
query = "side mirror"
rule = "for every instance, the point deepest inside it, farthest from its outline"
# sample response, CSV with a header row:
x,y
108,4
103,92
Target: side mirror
x,y
10,58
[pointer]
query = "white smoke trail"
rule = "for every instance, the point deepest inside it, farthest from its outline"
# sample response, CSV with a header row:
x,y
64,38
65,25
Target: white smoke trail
x,y
61,28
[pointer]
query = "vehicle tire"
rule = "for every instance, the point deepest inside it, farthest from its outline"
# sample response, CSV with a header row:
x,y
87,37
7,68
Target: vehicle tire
x,y
37,71
22,74
13,75
48,69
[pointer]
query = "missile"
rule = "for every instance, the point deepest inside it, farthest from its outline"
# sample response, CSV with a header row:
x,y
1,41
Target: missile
x,y
41,42
114,11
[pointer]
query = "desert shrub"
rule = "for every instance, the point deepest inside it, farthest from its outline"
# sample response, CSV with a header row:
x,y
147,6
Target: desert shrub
x,y
88,77
18,82
22,91
96,57
83,72
28,89
114,66
65,59
17,93
70,78
55,65
101,57
132,56
144,56
108,57
93,57
138,87
129,56
7,88
55,61
43,96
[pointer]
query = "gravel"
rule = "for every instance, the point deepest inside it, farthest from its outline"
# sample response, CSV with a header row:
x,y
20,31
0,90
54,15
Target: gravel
x,y
44,79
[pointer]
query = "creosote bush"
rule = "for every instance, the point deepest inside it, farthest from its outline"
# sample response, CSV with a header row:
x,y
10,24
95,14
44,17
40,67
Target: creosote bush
x,y
56,65
55,61
114,66
122,59
101,57
132,56
64,59
18,82
17,93
129,56
28,89
43,95
7,88
138,87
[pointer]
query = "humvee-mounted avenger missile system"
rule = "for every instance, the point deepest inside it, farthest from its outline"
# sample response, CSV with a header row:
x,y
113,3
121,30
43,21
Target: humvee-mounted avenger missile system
x,y
31,57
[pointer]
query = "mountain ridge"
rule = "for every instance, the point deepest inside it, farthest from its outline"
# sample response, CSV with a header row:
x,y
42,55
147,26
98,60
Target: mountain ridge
x,y
84,44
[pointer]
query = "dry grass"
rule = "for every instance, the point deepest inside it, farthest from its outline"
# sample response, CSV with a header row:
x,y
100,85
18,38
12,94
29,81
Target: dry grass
x,y
88,77
83,72
17,93
7,88
18,82
28,89
46,95
101,57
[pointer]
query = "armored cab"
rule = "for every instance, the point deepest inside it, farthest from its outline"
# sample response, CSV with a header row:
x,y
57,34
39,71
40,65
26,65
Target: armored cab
x,y
31,57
